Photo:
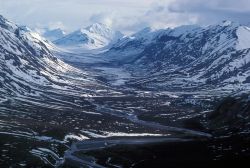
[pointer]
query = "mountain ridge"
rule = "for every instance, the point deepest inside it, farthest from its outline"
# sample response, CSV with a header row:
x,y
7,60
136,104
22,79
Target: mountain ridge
x,y
28,63
95,36
217,55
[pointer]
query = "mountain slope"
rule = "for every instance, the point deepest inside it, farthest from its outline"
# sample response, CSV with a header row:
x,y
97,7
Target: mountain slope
x,y
231,116
27,66
217,55
95,36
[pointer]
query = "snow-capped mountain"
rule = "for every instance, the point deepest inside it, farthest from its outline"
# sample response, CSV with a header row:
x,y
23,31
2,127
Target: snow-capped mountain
x,y
53,34
129,47
187,55
95,36
26,62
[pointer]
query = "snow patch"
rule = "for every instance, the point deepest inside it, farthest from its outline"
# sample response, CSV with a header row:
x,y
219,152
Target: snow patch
x,y
243,34
106,134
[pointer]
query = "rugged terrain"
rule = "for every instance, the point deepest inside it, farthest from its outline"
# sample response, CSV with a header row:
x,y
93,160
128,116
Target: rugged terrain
x,y
124,104
187,57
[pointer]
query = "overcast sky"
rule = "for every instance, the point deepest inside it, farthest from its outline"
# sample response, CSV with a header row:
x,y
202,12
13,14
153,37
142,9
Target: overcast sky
x,y
125,15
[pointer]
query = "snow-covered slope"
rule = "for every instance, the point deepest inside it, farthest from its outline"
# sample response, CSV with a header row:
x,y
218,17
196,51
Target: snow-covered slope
x,y
217,55
95,36
129,47
26,63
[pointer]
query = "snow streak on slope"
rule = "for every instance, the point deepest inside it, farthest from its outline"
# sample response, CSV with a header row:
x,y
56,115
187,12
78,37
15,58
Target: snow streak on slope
x,y
27,65
187,56
243,34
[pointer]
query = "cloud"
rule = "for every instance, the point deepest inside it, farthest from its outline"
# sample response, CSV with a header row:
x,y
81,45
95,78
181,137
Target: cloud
x,y
73,13
103,18
56,25
182,12
128,16
156,16
213,10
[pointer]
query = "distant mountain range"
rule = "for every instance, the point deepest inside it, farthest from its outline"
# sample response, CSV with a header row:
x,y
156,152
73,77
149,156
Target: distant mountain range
x,y
184,58
92,37
187,56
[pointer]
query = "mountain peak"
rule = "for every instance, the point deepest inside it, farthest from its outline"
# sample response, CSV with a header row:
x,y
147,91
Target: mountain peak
x,y
97,26
6,24
226,23
3,20
97,35
100,29
25,28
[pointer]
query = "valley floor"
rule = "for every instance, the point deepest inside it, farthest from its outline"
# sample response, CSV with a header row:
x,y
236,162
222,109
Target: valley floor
x,y
112,126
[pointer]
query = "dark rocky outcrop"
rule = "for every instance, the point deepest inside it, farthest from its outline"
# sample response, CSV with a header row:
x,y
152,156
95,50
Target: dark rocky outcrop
x,y
231,116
